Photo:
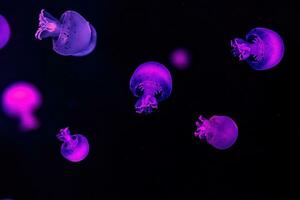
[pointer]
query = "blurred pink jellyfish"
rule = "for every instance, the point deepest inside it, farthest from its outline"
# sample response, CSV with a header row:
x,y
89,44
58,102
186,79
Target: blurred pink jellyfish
x,y
75,147
21,100
4,32
180,58
219,131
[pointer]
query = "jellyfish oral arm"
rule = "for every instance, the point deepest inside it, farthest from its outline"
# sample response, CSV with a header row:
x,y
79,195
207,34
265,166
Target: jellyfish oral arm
x,y
48,26
147,102
28,121
202,126
243,50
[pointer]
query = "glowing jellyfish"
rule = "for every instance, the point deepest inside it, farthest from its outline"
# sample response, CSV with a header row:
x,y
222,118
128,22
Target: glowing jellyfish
x,y
219,131
21,100
4,32
151,82
263,48
180,58
72,35
75,147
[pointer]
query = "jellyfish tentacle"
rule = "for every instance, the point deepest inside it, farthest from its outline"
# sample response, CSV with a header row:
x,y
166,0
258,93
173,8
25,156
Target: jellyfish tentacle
x,y
241,48
147,101
202,127
48,26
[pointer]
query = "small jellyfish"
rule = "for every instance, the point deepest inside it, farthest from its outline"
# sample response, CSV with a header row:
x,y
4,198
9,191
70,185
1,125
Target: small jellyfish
x,y
151,82
21,100
72,35
75,147
219,131
263,48
180,58
4,32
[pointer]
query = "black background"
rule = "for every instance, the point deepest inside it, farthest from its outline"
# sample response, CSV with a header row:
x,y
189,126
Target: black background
x,y
155,156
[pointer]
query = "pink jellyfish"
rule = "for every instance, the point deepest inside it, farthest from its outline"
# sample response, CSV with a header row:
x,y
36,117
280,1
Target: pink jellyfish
x,y
20,100
263,48
180,58
4,32
219,131
75,147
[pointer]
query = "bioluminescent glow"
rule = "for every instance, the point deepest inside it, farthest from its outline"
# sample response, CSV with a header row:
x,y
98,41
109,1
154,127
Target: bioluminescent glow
x,y
72,35
75,147
180,58
219,131
151,82
263,48
21,100
4,32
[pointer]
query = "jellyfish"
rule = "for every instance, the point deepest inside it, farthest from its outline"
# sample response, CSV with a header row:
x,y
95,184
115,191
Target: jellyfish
x,y
180,58
72,35
151,82
75,147
21,100
219,131
263,48
4,32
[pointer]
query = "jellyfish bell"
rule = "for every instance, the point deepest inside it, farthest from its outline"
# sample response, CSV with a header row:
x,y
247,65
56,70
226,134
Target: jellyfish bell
x,y
4,32
180,58
71,35
75,147
219,131
21,100
151,82
263,48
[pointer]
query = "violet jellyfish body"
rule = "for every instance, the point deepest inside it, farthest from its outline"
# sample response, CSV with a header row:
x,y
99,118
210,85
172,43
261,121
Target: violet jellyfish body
x,y
180,58
4,32
151,82
219,131
75,147
263,48
21,100
71,35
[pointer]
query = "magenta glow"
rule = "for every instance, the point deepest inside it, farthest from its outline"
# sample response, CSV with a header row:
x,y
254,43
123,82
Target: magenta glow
x,y
75,148
21,100
4,32
180,58
219,131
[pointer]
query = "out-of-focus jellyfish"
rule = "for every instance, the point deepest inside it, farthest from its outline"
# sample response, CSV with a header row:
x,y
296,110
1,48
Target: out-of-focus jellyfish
x,y
263,48
4,32
21,100
72,35
75,147
180,58
151,82
219,131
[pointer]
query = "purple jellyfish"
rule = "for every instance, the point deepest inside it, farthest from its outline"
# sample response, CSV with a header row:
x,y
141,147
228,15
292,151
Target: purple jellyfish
x,y
4,32
180,58
263,48
20,100
151,82
72,35
219,131
75,147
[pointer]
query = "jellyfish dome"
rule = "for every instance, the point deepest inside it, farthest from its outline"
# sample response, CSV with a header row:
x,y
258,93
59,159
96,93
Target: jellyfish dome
x,y
151,82
263,48
4,32
71,35
180,58
219,131
21,100
75,147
